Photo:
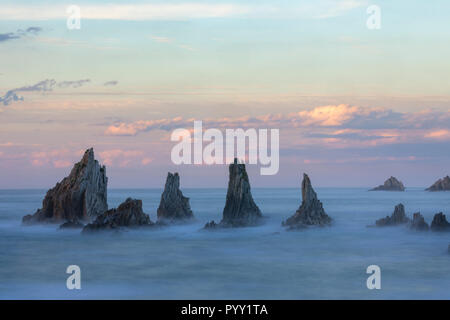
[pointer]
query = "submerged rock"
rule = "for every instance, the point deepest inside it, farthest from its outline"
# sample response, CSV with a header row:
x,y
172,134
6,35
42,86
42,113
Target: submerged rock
x,y
240,208
128,214
173,205
71,225
418,223
397,218
440,185
310,212
391,184
80,196
440,223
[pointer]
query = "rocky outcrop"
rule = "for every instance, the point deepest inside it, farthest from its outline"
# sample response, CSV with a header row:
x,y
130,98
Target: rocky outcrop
x,y
240,208
128,214
397,218
391,184
440,223
71,225
80,196
173,205
440,185
311,211
418,223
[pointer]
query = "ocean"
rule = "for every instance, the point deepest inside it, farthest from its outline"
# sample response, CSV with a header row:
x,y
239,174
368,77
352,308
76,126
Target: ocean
x,y
264,262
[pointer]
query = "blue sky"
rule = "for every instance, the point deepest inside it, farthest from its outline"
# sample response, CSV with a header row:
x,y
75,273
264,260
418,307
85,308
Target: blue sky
x,y
312,61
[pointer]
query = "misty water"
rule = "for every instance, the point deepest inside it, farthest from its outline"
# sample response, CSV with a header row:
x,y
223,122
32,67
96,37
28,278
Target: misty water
x,y
266,262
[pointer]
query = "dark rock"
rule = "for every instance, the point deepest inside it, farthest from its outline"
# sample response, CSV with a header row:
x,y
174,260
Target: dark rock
x,y
240,208
440,223
440,185
211,225
310,212
391,184
449,248
173,205
418,223
397,218
71,225
80,196
128,214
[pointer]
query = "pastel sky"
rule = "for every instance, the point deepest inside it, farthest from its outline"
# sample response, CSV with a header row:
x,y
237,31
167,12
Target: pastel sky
x,y
353,105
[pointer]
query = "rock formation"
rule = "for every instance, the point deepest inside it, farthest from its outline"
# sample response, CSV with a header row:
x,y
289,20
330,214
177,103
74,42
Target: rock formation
x,y
173,205
418,223
440,185
128,214
397,218
440,223
240,208
391,184
80,196
71,225
311,211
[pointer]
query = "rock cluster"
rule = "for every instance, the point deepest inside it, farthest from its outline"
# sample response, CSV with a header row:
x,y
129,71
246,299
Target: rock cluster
x,y
391,184
240,208
311,211
440,223
71,225
173,205
81,196
440,185
398,217
418,223
127,214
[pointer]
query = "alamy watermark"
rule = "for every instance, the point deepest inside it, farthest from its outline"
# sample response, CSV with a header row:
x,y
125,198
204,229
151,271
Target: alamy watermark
x,y
373,281
190,148
74,280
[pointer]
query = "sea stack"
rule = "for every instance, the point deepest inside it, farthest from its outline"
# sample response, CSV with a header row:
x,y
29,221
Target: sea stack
x,y
397,218
173,205
311,211
440,223
240,208
128,214
391,184
418,223
440,185
81,196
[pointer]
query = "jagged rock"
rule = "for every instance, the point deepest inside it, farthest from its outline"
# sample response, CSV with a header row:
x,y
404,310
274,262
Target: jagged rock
x,y
240,208
310,212
71,225
173,205
440,223
397,218
128,214
418,223
391,184
440,185
80,196
211,225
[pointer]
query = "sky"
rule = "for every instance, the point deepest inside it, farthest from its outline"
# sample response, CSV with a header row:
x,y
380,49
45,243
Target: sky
x,y
353,105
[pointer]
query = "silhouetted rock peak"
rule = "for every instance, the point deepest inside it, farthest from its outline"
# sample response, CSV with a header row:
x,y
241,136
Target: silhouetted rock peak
x,y
127,214
80,196
311,211
397,218
440,223
240,208
441,185
173,205
418,223
391,184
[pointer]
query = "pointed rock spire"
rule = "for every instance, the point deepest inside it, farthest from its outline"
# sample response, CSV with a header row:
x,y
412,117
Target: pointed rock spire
x,y
240,208
80,196
418,223
398,217
440,223
173,205
311,211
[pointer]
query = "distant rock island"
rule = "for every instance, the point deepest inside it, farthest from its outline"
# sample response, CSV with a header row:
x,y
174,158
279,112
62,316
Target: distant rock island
x,y
80,196
391,184
398,217
440,185
173,205
127,214
240,208
310,212
440,223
